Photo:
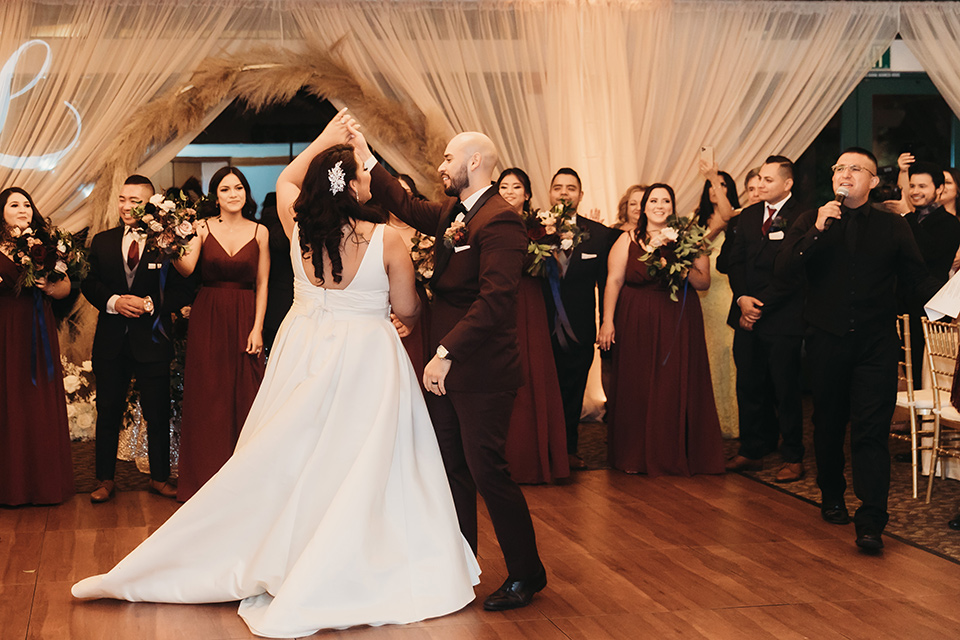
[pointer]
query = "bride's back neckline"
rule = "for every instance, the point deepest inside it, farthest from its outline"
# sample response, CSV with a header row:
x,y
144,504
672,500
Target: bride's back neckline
x,y
358,260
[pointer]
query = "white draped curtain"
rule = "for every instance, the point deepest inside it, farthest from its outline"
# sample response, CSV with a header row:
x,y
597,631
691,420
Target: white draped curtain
x,y
624,91
75,71
932,32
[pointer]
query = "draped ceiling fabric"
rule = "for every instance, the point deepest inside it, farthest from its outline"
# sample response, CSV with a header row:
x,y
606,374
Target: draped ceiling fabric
x,y
103,60
932,33
622,90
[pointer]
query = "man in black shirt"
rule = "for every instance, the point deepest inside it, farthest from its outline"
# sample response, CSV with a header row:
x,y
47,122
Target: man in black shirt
x,y
853,256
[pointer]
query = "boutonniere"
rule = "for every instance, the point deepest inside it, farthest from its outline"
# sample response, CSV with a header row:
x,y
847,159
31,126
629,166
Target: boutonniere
x,y
456,233
779,224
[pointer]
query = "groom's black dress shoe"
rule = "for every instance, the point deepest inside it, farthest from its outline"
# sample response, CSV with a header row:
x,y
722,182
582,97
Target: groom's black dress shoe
x,y
515,594
870,542
835,513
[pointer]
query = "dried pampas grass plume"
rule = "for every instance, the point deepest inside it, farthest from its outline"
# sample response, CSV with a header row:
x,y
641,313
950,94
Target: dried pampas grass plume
x,y
261,77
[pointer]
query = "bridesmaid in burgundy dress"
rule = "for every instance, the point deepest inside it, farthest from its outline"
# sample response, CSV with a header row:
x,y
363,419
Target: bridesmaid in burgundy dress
x,y
662,419
35,463
537,441
224,361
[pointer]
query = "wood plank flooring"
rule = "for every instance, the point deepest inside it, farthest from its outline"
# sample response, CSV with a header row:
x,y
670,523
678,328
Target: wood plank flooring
x,y
627,557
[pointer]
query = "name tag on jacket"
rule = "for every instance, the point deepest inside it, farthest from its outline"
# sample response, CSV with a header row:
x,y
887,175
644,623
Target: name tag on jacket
x,y
154,265
587,256
463,247
775,235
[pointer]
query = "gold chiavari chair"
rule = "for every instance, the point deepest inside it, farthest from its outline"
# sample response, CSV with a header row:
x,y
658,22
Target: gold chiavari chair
x,y
917,402
943,341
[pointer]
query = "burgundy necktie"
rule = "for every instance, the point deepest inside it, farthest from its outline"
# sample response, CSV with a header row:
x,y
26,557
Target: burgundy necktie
x,y
771,214
133,255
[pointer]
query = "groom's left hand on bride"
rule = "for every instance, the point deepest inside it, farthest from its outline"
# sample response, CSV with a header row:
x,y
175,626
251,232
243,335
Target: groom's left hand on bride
x,y
435,375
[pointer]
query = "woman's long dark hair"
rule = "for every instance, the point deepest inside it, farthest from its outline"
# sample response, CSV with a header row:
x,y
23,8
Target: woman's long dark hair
x,y
322,214
415,193
524,179
705,208
249,210
37,222
641,230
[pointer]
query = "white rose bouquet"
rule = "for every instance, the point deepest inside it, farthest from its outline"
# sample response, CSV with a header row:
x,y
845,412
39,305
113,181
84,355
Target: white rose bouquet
x,y
670,252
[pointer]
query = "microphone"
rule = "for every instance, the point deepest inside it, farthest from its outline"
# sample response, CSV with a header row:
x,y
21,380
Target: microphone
x,y
842,194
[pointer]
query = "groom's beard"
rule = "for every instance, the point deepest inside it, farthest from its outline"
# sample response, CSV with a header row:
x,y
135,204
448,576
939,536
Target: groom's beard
x,y
458,182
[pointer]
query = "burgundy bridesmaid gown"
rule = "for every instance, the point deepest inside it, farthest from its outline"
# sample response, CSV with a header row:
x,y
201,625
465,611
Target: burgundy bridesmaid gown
x,y
662,417
35,462
537,440
220,379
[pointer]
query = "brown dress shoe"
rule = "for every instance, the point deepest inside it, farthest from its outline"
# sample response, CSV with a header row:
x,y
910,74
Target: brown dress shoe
x,y
576,462
104,492
741,463
791,472
164,489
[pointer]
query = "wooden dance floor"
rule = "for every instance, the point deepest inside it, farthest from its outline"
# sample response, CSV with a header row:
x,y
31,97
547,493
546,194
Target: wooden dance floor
x,y
627,557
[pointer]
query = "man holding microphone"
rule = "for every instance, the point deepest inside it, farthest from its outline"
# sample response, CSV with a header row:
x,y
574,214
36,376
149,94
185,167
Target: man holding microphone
x,y
853,256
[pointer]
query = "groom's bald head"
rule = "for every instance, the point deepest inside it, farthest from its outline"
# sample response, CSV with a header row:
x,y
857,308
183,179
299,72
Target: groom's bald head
x,y
468,163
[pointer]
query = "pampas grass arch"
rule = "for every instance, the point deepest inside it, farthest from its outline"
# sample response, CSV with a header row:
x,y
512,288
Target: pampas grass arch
x,y
261,77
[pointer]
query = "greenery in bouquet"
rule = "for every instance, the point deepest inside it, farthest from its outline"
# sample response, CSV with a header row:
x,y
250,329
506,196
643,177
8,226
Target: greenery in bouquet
x,y
549,231
671,251
48,252
167,222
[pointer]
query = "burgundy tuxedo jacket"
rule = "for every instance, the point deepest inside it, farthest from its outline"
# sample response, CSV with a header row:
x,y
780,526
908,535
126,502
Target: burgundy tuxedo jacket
x,y
474,310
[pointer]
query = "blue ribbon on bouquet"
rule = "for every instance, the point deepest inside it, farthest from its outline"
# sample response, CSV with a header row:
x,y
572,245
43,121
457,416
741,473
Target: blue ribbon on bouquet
x,y
158,329
562,328
40,347
676,332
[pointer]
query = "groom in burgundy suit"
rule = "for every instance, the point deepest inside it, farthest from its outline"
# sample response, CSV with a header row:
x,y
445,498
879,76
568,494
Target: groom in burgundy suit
x,y
473,378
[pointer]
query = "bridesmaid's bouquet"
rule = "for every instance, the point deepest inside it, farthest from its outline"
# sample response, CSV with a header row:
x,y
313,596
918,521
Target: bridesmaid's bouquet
x,y
421,252
549,231
168,222
670,252
50,253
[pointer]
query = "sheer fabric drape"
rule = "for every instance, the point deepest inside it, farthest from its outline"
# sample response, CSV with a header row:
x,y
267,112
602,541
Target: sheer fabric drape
x,y
103,60
621,91
932,32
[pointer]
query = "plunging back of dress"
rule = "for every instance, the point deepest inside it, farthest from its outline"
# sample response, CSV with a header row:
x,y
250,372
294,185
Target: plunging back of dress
x,y
367,294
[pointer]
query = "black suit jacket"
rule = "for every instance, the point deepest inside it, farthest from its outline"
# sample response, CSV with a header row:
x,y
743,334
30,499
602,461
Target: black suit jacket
x,y
107,278
851,285
938,238
750,266
586,273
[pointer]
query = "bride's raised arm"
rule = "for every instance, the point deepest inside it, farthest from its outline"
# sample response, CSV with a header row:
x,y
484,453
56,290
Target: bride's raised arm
x,y
291,178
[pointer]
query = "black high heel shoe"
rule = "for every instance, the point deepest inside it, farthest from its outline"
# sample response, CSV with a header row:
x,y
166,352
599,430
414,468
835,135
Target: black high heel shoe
x,y
955,523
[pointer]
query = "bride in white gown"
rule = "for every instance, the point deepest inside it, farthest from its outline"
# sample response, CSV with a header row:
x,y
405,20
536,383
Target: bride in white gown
x,y
334,510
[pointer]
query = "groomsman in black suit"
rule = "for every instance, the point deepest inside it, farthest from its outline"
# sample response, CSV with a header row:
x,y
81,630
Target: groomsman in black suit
x,y
124,285
937,233
766,315
854,256
582,271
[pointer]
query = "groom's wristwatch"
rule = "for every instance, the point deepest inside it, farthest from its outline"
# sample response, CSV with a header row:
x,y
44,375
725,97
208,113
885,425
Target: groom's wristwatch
x,y
442,352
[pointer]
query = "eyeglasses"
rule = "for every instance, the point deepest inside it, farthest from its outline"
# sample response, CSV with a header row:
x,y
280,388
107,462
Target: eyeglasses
x,y
854,169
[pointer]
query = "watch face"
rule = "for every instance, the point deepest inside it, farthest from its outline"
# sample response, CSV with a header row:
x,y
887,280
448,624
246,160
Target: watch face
x,y
442,352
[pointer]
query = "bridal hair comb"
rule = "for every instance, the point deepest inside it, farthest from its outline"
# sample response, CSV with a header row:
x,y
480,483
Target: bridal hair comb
x,y
336,177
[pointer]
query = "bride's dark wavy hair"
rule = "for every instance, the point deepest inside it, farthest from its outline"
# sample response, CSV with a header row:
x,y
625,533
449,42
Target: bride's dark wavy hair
x,y
322,214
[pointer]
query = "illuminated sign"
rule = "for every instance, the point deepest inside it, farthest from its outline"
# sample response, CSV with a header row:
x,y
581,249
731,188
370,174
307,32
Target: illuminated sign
x,y
47,161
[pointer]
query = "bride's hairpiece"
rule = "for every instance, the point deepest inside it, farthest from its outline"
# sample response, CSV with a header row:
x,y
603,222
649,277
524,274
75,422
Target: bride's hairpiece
x,y
336,177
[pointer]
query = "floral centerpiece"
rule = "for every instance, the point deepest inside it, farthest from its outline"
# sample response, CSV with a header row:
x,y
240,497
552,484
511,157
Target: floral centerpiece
x,y
421,252
50,253
81,395
167,222
549,231
671,251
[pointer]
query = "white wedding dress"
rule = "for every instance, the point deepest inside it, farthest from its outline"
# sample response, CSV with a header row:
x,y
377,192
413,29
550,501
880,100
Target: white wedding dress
x,y
334,510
